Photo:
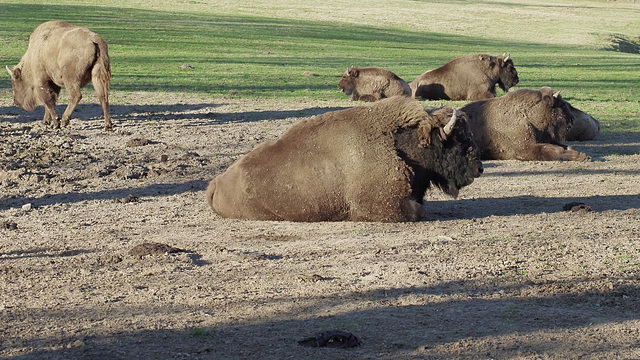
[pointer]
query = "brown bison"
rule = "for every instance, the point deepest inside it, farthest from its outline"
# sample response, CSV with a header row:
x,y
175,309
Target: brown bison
x,y
472,77
372,84
585,127
367,163
523,125
61,55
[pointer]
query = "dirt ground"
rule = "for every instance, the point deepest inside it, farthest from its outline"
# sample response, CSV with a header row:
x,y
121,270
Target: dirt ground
x,y
502,272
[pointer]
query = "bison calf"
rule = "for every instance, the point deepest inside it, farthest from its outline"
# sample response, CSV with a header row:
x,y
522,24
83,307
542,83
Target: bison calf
x,y
367,163
61,55
372,84
523,125
472,77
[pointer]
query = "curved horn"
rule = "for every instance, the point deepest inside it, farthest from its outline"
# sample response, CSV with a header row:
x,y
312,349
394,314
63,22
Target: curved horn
x,y
507,58
452,122
9,70
556,94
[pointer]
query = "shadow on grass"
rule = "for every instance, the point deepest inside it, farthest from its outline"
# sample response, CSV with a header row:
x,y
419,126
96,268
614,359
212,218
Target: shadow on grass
x,y
465,318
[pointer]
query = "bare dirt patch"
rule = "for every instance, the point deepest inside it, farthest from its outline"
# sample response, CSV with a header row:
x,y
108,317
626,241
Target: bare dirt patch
x,y
503,272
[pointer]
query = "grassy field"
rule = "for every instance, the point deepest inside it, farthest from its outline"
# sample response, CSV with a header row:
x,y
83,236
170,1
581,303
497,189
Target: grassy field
x,y
292,49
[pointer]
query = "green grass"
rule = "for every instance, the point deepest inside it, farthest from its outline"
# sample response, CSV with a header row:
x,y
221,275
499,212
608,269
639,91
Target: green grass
x,y
243,54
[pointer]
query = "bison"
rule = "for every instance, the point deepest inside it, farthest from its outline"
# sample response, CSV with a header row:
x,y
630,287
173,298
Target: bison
x,y
367,163
585,127
472,77
524,125
372,84
61,55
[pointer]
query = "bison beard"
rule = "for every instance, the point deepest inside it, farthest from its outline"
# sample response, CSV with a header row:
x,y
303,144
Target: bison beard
x,y
367,163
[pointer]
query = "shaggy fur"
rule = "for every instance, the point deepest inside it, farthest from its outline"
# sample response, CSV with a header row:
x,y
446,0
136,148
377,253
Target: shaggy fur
x,y
472,77
367,163
585,127
523,125
372,84
61,55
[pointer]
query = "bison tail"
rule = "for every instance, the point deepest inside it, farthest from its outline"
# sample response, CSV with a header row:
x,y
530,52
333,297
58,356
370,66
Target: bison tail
x,y
102,67
211,190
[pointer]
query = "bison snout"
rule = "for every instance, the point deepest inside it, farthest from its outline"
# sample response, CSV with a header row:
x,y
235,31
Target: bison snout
x,y
478,169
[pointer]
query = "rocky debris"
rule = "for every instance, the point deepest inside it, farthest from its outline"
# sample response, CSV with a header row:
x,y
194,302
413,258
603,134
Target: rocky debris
x,y
332,338
153,248
577,207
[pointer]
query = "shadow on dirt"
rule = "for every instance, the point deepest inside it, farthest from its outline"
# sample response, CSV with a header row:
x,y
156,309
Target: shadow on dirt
x,y
511,323
121,114
523,205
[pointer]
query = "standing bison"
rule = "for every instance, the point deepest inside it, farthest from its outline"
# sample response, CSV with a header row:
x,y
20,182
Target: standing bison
x,y
523,125
472,77
367,163
372,84
61,55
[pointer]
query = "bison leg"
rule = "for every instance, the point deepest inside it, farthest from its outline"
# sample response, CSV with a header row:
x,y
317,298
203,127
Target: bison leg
x,y
102,91
369,98
49,97
551,152
74,98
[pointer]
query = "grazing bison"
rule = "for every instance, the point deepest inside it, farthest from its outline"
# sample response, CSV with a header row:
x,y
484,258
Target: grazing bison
x,y
372,84
367,163
61,55
472,77
523,125
585,127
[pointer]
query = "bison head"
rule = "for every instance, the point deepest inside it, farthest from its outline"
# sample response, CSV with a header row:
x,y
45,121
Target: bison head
x,y
561,118
442,153
347,83
23,94
507,73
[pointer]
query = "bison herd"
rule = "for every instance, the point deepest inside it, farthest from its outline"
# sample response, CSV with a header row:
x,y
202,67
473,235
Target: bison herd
x,y
371,162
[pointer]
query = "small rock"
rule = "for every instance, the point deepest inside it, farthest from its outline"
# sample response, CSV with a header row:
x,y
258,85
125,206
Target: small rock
x,y
128,199
137,142
27,207
8,225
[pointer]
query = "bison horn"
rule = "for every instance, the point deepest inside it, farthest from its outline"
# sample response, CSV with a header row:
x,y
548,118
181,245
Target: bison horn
x,y
452,122
507,58
556,94
9,70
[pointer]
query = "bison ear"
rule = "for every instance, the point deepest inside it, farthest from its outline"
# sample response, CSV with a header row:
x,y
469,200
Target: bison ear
x,y
353,72
549,96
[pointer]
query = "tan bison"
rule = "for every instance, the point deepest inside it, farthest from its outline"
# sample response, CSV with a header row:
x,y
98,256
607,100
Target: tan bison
x,y
372,84
472,77
61,55
523,125
367,163
585,127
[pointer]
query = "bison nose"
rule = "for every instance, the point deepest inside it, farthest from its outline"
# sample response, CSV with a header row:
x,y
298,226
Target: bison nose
x,y
479,170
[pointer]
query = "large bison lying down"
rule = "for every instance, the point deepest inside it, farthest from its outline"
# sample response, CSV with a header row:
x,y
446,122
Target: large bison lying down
x,y
368,163
585,127
472,77
523,125
372,84
61,55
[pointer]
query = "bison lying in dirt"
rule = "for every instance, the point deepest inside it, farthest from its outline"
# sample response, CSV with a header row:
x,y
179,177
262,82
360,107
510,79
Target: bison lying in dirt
x,y
585,127
61,55
372,84
368,163
472,77
523,125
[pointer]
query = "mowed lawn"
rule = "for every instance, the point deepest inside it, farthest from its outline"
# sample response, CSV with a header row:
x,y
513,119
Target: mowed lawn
x,y
589,50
